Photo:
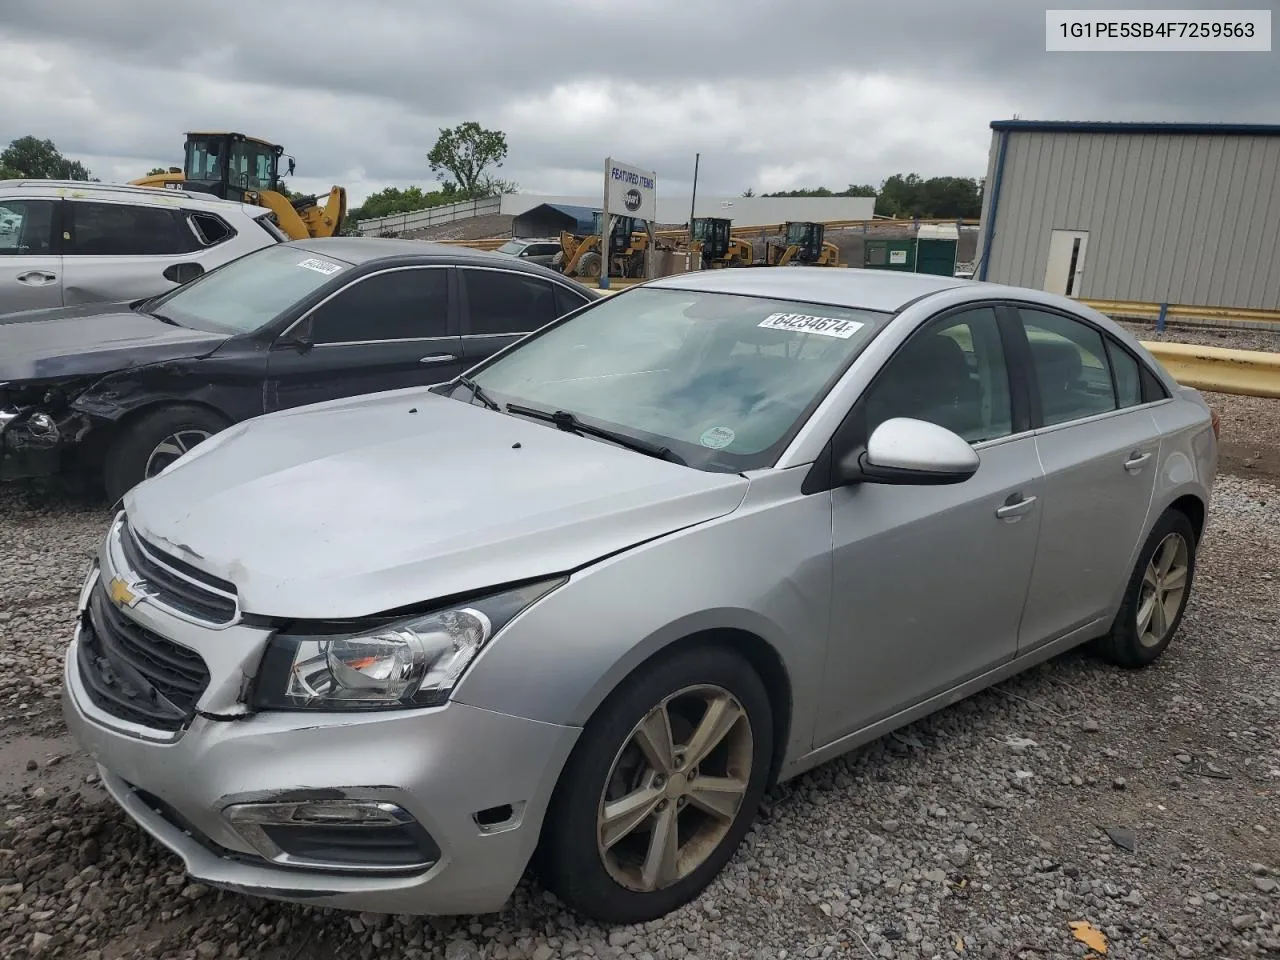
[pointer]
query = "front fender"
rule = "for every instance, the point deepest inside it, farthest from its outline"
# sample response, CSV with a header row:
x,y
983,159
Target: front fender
x,y
764,569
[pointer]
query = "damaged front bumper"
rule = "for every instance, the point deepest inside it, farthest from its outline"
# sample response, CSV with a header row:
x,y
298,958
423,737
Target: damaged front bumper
x,y
33,443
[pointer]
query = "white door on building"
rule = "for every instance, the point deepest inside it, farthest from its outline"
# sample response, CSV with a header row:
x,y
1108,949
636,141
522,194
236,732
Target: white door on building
x,y
1066,262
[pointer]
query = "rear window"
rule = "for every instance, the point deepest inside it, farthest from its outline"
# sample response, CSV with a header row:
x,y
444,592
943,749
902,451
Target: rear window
x,y
247,294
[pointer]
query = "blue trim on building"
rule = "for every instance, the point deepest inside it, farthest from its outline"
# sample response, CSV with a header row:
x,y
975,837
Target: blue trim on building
x,y
995,206
1092,126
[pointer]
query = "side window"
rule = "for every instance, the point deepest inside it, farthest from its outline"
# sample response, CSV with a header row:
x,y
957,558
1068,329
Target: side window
x,y
1128,380
1071,367
26,227
397,305
503,302
566,301
210,229
951,372
120,229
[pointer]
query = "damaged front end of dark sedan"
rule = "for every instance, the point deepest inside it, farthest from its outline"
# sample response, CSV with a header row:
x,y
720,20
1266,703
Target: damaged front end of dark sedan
x,y
41,428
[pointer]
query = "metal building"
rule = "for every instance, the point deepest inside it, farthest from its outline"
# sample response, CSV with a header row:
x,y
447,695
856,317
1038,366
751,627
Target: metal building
x,y
1177,213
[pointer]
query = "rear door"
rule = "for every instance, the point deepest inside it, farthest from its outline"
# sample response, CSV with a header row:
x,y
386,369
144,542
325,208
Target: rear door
x,y
124,251
1099,446
501,306
383,331
30,265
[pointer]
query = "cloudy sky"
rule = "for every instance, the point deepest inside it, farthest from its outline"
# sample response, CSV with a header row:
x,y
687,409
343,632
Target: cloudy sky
x,y
774,95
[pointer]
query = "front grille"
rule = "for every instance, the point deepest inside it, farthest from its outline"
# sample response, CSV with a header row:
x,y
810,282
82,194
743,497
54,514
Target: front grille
x,y
404,845
177,584
133,673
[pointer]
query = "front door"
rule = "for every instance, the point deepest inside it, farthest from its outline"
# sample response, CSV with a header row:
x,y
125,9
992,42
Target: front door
x,y
30,267
384,331
930,581
1100,448
1066,262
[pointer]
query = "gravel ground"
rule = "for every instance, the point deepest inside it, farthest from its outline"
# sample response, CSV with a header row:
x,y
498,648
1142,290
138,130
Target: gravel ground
x,y
1146,804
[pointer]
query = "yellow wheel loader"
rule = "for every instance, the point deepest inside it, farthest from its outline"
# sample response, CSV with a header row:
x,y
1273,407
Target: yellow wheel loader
x,y
233,166
711,237
580,256
803,246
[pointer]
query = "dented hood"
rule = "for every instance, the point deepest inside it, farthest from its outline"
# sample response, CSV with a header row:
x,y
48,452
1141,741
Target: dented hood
x,y
91,339
355,507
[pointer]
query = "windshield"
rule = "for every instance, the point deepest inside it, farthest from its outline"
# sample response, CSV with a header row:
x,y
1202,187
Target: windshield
x,y
247,294
511,247
724,380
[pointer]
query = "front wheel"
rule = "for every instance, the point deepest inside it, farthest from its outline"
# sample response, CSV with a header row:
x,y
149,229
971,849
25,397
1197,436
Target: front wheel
x,y
661,788
155,440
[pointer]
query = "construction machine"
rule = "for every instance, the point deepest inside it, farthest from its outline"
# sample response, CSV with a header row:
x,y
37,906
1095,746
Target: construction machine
x,y
711,237
234,166
580,256
804,245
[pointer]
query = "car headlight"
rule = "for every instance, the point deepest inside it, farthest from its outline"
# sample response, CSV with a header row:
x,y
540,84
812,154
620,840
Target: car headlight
x,y
394,663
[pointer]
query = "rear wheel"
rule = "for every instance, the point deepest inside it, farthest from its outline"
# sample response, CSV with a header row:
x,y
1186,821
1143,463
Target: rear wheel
x,y
661,788
155,440
1156,596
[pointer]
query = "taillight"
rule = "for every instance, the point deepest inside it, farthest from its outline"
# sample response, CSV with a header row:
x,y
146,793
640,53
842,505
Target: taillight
x,y
1217,423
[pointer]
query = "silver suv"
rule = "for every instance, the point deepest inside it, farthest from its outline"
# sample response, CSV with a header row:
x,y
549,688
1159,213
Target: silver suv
x,y
67,242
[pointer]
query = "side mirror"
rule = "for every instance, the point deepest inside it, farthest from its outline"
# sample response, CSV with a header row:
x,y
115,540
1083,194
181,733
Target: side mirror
x,y
299,339
183,272
910,452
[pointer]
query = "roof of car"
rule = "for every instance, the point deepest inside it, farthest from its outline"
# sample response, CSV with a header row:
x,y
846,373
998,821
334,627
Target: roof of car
x,y
122,191
883,290
362,250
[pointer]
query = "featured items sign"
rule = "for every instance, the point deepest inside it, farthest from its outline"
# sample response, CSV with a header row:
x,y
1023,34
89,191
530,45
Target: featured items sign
x,y
630,192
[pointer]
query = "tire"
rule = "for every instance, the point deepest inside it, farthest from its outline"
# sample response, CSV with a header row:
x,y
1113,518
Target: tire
x,y
1127,645
135,454
609,886
588,265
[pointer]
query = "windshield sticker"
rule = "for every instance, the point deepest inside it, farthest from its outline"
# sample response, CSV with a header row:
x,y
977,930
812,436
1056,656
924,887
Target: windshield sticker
x,y
326,267
717,438
804,323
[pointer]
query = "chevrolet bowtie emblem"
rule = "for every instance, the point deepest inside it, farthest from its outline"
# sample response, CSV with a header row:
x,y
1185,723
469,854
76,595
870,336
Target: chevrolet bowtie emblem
x,y
121,595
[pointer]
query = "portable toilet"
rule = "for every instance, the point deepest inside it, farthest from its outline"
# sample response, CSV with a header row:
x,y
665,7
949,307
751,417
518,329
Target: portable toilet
x,y
936,247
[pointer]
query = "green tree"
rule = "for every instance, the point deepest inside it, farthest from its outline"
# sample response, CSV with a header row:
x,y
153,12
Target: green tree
x,y
936,198
40,160
853,190
8,173
466,152
156,171
749,192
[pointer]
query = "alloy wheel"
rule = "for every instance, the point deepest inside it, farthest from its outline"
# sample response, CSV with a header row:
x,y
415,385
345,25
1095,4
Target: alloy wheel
x,y
172,447
675,788
1164,584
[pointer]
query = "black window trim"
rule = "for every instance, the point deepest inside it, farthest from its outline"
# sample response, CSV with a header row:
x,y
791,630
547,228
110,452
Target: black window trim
x,y
464,304
282,339
1146,377
189,216
851,432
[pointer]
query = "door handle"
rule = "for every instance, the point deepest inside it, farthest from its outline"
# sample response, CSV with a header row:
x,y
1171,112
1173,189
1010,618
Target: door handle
x,y
1012,509
438,358
1135,461
37,276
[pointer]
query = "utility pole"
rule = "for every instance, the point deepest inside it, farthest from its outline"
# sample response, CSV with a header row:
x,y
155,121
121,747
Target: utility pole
x,y
694,199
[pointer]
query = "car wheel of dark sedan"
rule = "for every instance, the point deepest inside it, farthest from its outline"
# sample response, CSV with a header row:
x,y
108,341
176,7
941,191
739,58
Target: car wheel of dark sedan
x,y
660,789
1156,596
153,442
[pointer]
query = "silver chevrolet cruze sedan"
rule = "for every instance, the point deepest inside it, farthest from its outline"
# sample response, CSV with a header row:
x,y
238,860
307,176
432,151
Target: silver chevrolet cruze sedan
x,y
579,609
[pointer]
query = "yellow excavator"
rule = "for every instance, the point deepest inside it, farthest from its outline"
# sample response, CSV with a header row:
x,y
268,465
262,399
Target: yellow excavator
x,y
711,237
233,166
580,256
804,245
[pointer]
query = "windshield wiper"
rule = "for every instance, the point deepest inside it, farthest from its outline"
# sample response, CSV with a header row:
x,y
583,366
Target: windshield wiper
x,y
571,424
163,319
477,392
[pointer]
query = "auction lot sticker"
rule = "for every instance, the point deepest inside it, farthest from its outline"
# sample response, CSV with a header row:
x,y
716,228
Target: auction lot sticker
x,y
717,438
806,323
327,267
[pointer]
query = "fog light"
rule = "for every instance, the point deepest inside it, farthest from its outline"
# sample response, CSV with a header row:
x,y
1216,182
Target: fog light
x,y
349,835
